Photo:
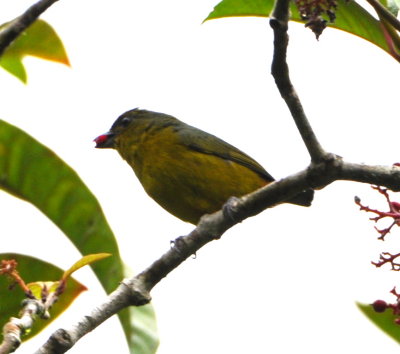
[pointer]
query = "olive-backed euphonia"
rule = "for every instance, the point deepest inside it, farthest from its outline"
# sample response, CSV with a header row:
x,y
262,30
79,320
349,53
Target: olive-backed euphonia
x,y
184,169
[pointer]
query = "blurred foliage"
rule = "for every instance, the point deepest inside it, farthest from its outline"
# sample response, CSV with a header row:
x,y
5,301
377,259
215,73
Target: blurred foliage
x,y
34,173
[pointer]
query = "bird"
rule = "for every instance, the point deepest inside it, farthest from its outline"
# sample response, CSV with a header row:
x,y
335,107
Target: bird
x,y
187,171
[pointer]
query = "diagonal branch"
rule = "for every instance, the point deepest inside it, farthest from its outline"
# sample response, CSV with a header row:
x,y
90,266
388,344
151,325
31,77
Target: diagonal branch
x,y
14,28
280,72
136,291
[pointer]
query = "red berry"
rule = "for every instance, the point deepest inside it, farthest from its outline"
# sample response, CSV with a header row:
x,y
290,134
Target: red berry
x,y
101,139
380,306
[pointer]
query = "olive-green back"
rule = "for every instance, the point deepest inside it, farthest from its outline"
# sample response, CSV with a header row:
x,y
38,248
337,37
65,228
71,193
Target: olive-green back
x,y
206,143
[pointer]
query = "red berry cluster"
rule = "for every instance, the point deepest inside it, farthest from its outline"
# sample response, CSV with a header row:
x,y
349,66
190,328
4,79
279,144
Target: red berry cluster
x,y
393,214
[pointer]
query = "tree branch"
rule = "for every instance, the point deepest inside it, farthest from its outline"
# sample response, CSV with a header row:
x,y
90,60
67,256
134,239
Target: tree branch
x,y
280,72
136,291
15,27
387,176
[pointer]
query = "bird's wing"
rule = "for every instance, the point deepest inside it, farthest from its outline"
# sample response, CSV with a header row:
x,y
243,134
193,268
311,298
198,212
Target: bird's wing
x,y
206,143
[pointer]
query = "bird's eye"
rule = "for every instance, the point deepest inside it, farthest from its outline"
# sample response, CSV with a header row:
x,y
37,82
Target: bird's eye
x,y
125,121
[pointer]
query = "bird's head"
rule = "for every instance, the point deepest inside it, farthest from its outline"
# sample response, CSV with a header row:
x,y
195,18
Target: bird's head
x,y
127,126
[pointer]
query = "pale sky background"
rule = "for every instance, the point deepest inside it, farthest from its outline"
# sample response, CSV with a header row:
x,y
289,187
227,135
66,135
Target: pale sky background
x,y
281,282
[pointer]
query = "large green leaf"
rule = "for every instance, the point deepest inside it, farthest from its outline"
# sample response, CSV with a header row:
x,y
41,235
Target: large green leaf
x,y
385,320
39,40
143,338
32,270
350,17
32,172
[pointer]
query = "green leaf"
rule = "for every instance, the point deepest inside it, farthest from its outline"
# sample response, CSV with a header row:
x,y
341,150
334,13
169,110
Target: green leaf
x,y
237,8
350,17
39,40
144,339
31,270
383,320
14,66
32,172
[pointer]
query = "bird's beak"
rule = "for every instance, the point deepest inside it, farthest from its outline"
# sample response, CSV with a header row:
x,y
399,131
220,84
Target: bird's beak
x,y
105,141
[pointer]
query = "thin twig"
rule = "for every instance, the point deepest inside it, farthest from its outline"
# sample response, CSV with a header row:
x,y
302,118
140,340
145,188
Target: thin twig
x,y
383,12
15,328
14,28
280,72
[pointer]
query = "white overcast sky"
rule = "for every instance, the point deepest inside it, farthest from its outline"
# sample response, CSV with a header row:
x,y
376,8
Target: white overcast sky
x,y
284,281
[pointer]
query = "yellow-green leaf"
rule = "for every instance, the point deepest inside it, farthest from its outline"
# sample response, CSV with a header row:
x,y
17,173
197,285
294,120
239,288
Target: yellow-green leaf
x,y
38,287
89,259
39,40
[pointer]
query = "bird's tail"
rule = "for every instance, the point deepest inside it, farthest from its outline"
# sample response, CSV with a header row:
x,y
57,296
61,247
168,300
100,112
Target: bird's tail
x,y
304,198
